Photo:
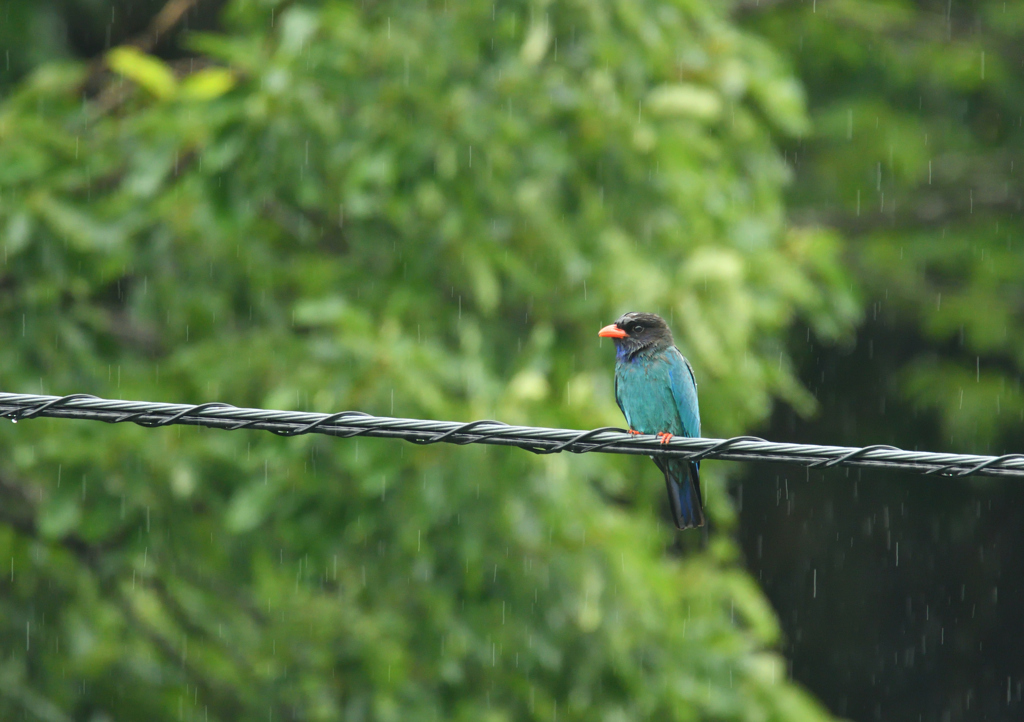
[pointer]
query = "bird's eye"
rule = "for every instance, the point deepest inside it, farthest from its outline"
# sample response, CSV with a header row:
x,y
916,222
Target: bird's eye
x,y
638,329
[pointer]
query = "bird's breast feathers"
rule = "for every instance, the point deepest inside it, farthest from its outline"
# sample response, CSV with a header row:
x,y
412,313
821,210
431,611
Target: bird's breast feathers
x,y
647,390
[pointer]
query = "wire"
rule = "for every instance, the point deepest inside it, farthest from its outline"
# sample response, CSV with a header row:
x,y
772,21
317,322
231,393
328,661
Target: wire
x,y
609,440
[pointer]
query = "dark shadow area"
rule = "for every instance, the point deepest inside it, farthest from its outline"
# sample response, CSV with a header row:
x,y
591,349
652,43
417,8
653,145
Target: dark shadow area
x,y
899,594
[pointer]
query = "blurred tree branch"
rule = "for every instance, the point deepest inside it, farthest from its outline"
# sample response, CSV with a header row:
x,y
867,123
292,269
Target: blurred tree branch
x,y
165,20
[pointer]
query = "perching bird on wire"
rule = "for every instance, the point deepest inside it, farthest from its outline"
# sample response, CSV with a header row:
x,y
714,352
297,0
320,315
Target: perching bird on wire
x,y
656,390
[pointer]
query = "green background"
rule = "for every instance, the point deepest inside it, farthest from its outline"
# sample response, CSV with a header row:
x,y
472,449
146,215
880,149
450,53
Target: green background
x,y
428,209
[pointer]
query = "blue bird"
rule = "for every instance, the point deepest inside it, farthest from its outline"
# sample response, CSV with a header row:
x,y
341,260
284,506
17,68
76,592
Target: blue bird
x,y
656,390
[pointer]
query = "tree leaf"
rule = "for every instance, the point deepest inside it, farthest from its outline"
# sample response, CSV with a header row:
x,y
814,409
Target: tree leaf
x,y
146,70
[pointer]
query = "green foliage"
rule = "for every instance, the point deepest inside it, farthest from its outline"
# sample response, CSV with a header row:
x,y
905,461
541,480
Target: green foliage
x,y
422,211
917,157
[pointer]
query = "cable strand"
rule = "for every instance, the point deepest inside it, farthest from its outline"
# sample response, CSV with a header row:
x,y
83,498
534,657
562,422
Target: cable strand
x,y
608,439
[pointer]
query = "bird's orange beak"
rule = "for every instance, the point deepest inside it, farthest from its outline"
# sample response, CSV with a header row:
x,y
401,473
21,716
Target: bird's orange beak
x,y
612,331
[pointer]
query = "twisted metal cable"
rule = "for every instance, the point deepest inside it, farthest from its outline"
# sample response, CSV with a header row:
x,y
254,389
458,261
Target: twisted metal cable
x,y
609,440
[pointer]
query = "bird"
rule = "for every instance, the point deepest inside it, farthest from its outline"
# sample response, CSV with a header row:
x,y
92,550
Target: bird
x,y
656,390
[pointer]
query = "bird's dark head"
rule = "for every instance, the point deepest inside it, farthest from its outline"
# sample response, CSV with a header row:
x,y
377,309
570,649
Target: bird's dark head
x,y
639,333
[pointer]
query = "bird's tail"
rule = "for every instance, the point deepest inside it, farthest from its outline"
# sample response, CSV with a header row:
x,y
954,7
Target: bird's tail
x,y
682,479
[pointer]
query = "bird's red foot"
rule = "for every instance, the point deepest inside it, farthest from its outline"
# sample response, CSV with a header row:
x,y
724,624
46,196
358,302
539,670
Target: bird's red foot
x,y
664,436
631,431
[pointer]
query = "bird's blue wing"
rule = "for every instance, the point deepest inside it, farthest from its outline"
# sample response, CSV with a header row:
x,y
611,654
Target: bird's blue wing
x,y
684,391
683,477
